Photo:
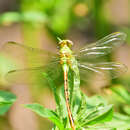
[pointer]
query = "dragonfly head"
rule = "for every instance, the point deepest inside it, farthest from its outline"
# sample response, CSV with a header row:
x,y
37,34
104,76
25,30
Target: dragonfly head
x,y
68,43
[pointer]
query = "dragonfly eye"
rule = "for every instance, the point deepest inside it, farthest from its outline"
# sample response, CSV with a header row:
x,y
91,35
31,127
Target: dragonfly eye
x,y
69,43
65,42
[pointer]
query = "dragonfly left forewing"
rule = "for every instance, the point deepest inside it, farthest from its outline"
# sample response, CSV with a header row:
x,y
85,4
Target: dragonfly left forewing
x,y
110,68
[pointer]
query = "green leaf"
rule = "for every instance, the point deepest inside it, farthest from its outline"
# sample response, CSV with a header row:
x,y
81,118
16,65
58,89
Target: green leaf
x,y
120,122
59,98
9,18
95,101
99,115
100,127
44,112
127,109
63,108
53,87
76,100
6,101
7,97
34,16
4,108
122,92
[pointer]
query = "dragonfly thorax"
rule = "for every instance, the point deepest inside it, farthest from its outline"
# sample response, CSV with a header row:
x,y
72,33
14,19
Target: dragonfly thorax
x,y
65,53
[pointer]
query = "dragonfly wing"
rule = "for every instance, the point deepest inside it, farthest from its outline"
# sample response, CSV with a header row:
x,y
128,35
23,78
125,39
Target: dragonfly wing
x,y
31,75
101,47
110,68
23,54
23,76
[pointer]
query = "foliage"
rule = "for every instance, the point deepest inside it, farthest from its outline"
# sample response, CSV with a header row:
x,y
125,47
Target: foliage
x,y
122,97
92,111
94,114
6,101
43,12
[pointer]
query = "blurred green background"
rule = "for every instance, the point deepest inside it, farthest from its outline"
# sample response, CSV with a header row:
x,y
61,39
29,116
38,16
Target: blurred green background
x,y
38,23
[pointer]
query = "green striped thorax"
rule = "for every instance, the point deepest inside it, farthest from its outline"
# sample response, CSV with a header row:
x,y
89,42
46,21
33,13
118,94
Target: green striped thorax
x,y
66,54
65,51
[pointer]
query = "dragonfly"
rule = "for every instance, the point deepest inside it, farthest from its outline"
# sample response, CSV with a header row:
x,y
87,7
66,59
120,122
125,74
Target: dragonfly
x,y
88,59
